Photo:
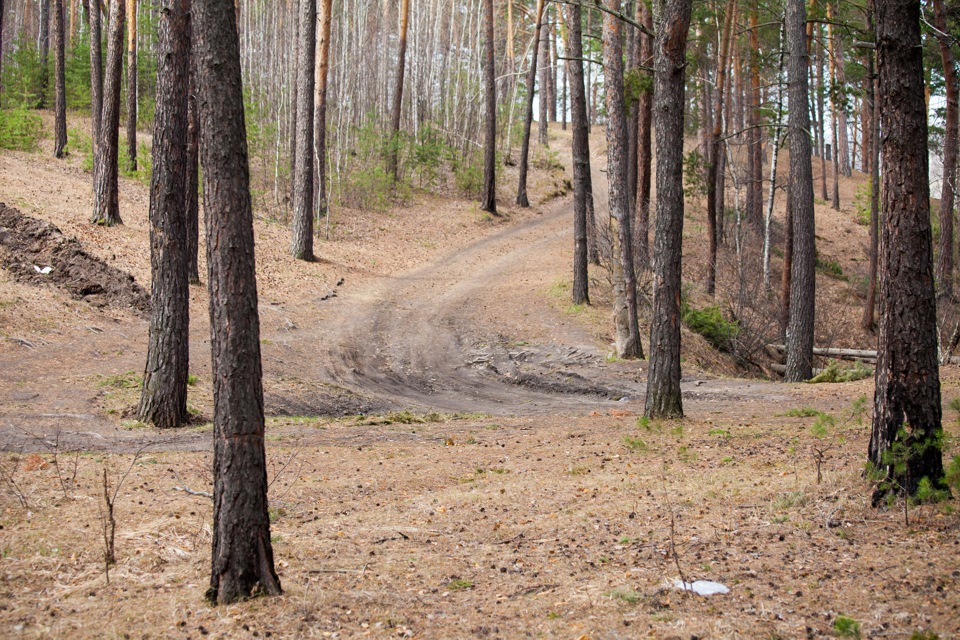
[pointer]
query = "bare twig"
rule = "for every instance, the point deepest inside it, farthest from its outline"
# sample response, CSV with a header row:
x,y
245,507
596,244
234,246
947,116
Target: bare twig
x,y
9,477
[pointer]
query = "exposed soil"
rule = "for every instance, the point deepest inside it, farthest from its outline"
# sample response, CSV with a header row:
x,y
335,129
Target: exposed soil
x,y
498,484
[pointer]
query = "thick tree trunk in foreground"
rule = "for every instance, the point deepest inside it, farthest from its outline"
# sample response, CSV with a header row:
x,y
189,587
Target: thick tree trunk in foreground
x,y
163,398
60,81
581,157
803,283
132,85
301,242
398,91
644,146
489,201
193,171
96,75
950,142
242,559
624,274
325,10
905,442
106,201
522,199
663,378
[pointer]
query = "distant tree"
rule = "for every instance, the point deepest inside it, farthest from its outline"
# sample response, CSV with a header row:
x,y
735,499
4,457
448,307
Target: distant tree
x,y
490,142
624,272
906,439
582,196
325,13
106,202
163,396
44,51
803,284
132,85
950,146
522,199
394,160
96,74
754,204
242,559
301,244
60,82
544,101
663,378
644,146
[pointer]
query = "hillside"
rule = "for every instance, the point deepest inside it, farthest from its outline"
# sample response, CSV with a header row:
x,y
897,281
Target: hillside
x,y
452,451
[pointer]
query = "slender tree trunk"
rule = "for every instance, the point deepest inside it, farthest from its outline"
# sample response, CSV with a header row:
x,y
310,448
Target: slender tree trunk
x,y
905,442
869,305
59,44
1,53
947,194
106,201
193,171
163,397
581,157
714,199
398,91
799,336
324,19
775,156
624,278
786,274
242,558
44,51
301,245
132,85
96,75
644,146
821,108
522,199
663,379
544,95
489,202
754,140
295,99
835,199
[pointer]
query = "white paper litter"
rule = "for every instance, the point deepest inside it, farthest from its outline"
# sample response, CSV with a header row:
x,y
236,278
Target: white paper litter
x,y
702,587
43,271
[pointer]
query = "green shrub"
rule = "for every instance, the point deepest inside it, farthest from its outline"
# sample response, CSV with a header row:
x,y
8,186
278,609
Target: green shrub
x,y
834,373
22,75
710,323
468,175
20,129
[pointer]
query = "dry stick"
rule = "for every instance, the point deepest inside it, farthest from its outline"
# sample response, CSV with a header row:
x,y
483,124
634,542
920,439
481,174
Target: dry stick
x,y
673,533
9,479
107,519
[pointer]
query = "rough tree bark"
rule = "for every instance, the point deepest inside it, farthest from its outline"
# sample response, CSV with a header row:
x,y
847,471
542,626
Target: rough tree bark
x,y
398,91
301,242
522,199
132,85
663,379
60,81
324,18
242,554
581,157
950,142
799,336
96,74
489,201
163,396
644,146
106,201
905,442
754,212
44,51
627,331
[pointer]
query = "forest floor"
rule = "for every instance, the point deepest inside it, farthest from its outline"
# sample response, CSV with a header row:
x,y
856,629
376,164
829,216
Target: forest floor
x,y
452,451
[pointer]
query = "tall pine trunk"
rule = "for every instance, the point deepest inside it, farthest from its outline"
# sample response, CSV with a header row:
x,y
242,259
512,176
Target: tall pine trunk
x,y
132,85
644,146
799,338
163,397
44,51
489,202
625,321
394,162
950,143
581,157
96,74
544,95
320,104
193,169
663,379
242,555
301,242
60,81
106,200
522,198
906,439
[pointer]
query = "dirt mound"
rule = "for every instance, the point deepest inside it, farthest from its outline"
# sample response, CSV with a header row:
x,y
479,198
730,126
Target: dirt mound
x,y
37,252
